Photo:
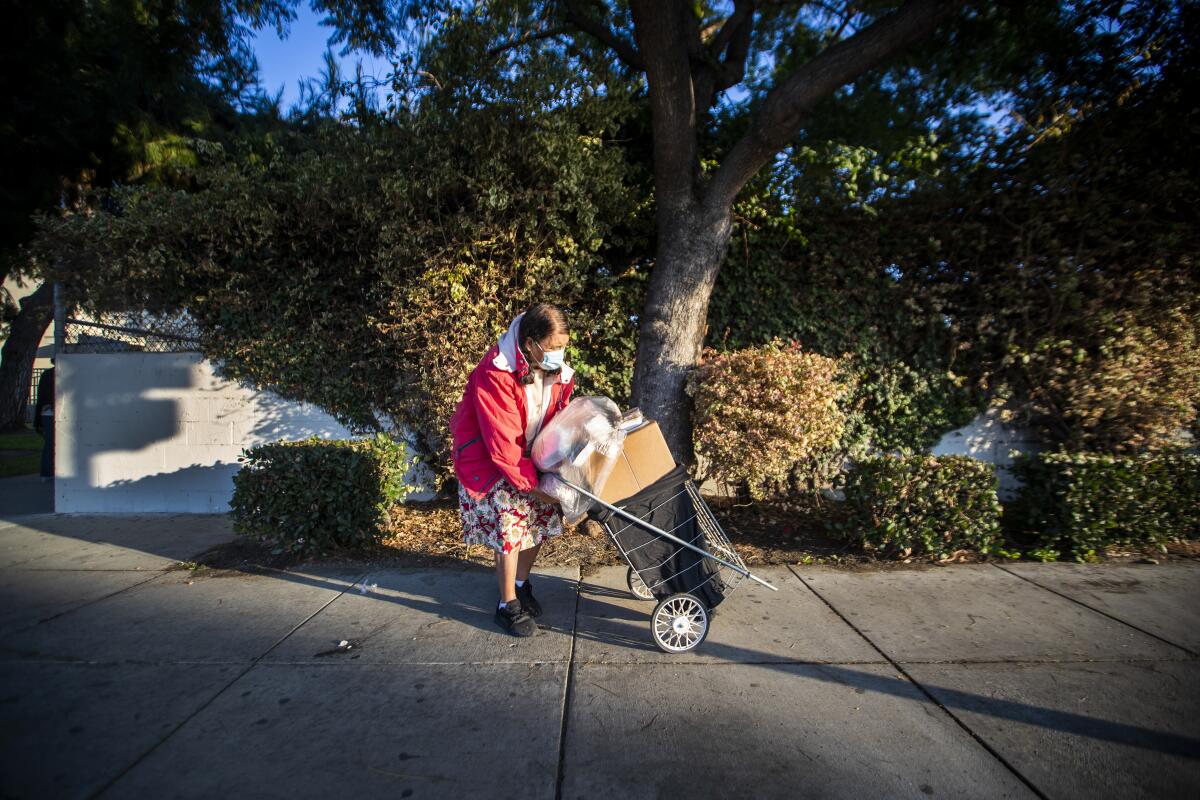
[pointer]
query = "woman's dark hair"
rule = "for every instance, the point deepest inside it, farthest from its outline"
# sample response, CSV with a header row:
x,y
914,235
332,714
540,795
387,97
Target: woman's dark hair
x,y
540,321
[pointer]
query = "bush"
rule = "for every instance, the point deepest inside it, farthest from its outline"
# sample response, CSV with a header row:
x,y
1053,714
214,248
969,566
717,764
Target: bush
x,y
310,495
761,411
923,505
1076,504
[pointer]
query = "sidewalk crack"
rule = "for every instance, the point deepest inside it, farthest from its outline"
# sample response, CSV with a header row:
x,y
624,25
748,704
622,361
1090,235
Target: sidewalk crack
x,y
113,781
83,605
568,687
1187,650
897,666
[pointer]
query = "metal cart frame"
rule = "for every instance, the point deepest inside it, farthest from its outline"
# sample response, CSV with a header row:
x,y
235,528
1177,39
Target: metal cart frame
x,y
680,621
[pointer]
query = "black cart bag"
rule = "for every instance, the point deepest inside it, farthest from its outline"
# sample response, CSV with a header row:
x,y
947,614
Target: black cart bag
x,y
665,566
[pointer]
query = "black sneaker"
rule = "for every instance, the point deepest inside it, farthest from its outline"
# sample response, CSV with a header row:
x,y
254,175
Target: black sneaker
x,y
525,595
514,619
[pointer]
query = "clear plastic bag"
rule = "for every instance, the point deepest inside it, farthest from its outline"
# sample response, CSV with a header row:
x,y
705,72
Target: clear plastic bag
x,y
580,444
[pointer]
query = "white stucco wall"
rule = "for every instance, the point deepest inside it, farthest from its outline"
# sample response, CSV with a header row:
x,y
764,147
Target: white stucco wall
x,y
142,432
989,439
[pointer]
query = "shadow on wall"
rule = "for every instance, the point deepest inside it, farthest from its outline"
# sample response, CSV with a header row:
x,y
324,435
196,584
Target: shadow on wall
x,y
102,410
197,489
161,432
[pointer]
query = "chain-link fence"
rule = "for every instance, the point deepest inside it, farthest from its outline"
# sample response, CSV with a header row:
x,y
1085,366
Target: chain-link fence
x,y
31,403
141,331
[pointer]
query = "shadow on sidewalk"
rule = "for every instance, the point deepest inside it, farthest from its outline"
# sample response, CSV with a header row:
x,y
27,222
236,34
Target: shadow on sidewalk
x,y
445,599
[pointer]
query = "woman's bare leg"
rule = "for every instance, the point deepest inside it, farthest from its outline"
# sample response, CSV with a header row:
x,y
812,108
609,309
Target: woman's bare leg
x,y
525,561
506,574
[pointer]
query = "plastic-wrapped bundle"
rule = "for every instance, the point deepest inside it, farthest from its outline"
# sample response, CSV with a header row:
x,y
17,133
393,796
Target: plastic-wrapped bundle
x,y
580,444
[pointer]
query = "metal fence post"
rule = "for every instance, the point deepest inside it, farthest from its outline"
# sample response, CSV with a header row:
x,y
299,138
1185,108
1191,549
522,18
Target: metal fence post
x,y
60,315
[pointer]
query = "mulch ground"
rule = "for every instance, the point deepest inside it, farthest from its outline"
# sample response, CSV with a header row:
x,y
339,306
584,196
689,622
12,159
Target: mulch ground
x,y
429,534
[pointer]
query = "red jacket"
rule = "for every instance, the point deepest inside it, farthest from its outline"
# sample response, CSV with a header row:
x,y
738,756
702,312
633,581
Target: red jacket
x,y
488,426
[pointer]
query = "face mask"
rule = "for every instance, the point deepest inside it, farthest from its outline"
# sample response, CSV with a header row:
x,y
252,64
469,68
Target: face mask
x,y
552,359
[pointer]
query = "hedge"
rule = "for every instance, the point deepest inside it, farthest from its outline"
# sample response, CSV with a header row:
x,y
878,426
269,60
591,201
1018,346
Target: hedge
x,y
1076,504
922,505
312,495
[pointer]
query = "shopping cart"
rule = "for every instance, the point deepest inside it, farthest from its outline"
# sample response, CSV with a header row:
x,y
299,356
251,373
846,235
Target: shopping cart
x,y
677,555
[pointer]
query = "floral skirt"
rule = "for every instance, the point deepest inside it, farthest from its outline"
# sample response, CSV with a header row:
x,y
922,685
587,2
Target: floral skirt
x,y
507,520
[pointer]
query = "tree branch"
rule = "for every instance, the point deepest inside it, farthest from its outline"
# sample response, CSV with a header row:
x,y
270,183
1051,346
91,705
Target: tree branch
x,y
733,65
600,30
718,68
784,109
741,10
846,18
529,37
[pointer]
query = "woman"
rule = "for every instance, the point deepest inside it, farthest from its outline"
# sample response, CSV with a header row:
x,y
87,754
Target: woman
x,y
515,390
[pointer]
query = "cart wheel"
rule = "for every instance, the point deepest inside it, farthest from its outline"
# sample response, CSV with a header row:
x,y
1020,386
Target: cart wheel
x,y
679,623
637,586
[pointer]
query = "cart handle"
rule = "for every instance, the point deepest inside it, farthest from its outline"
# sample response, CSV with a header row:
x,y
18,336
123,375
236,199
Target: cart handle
x,y
621,512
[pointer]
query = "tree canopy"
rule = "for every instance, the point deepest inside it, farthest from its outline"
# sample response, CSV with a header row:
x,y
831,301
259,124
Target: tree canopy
x,y
1001,211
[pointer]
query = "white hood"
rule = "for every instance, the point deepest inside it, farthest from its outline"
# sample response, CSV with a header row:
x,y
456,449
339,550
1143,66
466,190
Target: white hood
x,y
507,359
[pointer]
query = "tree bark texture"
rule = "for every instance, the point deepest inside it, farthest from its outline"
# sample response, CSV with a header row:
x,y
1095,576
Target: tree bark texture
x,y
671,330
16,359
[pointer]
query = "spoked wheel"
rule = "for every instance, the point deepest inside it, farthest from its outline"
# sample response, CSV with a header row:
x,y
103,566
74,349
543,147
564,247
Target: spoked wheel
x,y
679,623
637,586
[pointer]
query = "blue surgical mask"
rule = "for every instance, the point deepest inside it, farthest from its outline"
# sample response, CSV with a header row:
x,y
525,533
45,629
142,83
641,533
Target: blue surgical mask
x,y
552,359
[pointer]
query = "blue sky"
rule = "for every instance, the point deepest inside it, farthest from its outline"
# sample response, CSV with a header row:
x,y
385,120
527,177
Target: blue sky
x,y
286,62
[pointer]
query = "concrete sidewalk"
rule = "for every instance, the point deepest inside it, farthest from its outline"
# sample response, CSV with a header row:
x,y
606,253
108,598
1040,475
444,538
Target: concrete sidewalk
x,y
122,677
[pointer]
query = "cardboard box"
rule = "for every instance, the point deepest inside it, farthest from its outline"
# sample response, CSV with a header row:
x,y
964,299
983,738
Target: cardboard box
x,y
644,459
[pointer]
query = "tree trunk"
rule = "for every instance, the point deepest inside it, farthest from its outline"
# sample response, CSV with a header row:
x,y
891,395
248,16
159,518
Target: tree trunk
x,y
16,359
692,244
